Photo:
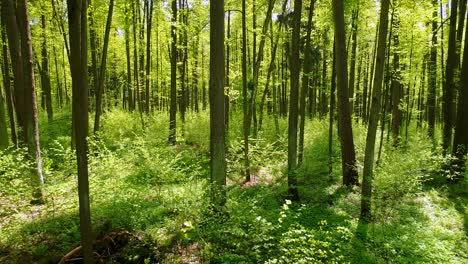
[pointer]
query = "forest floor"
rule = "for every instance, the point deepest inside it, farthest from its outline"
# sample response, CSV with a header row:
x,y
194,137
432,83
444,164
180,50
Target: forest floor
x,y
150,201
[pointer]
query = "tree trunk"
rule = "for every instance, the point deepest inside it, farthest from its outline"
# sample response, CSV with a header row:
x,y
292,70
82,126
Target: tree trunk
x,y
350,174
102,69
77,17
245,94
352,71
332,114
173,104
45,74
305,81
449,87
217,100
294,100
368,173
7,84
396,79
432,76
460,144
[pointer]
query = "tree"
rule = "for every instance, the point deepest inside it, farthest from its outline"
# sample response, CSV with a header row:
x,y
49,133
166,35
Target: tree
x,y
305,81
374,113
102,69
45,74
432,77
460,143
3,123
217,117
294,101
246,131
77,23
7,82
348,154
449,84
173,104
19,41
397,86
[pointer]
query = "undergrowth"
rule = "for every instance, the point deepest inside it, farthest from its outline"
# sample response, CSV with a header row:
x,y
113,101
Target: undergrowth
x,y
160,192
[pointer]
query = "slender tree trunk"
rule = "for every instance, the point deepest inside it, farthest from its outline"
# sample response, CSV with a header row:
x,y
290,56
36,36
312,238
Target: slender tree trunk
x,y
149,28
173,104
368,173
396,79
352,71
7,84
77,17
102,69
332,114
217,100
257,64
245,94
45,74
432,76
94,53
449,85
305,82
228,57
350,174
3,123
294,100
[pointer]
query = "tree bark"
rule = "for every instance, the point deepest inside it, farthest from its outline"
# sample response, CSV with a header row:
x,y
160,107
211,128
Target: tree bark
x,y
245,94
305,81
102,69
45,73
77,17
350,174
173,104
368,173
217,100
432,76
460,144
449,85
396,79
294,100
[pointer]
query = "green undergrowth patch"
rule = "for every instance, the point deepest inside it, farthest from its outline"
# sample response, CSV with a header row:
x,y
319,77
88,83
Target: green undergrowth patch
x,y
161,193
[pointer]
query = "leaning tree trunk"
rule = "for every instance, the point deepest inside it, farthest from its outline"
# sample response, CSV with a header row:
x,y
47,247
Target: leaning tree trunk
x,y
245,94
102,69
368,173
350,174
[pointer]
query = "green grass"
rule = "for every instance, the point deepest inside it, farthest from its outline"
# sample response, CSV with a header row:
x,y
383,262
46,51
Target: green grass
x,y
160,192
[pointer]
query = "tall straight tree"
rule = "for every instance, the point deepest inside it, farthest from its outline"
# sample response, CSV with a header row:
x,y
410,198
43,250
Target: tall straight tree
x,y
102,68
3,123
77,23
449,85
45,74
432,76
245,94
348,153
305,81
217,117
149,22
173,103
397,86
7,82
19,41
460,144
294,101
374,113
